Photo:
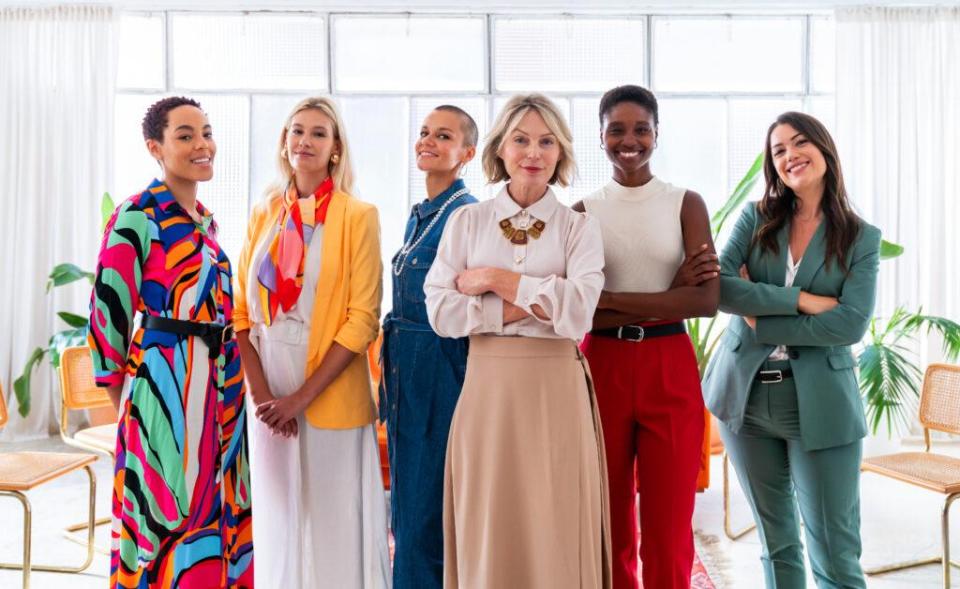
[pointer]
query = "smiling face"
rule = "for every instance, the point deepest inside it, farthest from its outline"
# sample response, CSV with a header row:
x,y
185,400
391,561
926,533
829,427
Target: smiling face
x,y
441,148
530,152
310,142
800,165
188,149
629,136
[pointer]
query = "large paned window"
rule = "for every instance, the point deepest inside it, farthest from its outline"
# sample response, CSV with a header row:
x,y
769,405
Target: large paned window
x,y
720,80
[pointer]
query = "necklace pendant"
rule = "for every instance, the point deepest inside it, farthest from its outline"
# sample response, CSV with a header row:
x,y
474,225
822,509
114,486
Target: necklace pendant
x,y
519,237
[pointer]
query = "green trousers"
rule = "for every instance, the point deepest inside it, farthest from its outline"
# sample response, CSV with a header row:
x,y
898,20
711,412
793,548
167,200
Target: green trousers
x,y
778,475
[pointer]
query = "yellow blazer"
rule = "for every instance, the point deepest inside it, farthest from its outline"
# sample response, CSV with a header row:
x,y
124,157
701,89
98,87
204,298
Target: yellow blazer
x,y
347,308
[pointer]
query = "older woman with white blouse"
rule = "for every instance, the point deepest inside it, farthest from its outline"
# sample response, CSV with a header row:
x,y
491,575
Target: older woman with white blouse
x,y
525,483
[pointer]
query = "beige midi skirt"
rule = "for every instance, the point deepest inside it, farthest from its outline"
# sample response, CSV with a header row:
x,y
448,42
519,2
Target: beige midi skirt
x,y
525,490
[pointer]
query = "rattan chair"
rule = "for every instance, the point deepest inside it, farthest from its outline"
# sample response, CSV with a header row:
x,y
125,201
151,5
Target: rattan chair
x,y
939,411
23,471
78,391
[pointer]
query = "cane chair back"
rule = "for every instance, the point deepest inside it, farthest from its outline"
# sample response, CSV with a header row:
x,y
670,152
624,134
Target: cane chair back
x,y
940,399
78,391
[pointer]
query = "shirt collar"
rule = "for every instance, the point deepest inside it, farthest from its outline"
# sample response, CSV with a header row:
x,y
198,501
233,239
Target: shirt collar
x,y
428,207
168,204
506,208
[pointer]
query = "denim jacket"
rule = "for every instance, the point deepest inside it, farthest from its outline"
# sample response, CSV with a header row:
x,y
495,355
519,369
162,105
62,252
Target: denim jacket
x,y
420,368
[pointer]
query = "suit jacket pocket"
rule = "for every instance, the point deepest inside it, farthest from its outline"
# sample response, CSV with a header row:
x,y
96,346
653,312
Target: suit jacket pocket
x,y
731,340
841,361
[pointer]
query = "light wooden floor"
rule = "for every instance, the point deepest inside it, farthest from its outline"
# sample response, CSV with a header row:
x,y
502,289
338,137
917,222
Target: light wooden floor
x,y
898,523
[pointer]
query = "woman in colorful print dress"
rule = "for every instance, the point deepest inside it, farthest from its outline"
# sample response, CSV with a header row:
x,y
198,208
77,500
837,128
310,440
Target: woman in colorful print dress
x,y
181,493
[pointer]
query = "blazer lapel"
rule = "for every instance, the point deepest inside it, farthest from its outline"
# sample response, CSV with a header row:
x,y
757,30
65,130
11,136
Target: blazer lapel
x,y
777,265
330,259
813,258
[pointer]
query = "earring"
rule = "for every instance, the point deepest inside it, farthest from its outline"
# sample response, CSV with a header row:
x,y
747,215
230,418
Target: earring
x,y
283,151
335,158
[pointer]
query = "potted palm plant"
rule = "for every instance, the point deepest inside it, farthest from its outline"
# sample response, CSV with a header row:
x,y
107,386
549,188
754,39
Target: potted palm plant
x,y
76,332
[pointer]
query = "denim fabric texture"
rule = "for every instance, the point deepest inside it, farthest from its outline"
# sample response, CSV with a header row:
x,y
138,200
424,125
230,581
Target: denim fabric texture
x,y
422,377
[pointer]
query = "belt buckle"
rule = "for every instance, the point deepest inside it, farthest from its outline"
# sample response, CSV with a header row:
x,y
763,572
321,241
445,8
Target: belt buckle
x,y
226,334
620,335
776,374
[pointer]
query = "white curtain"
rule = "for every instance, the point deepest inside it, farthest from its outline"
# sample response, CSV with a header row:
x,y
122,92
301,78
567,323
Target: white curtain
x,y
56,132
898,129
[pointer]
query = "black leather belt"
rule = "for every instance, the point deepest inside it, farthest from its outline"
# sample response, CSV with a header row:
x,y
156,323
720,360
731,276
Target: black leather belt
x,y
212,334
637,333
773,376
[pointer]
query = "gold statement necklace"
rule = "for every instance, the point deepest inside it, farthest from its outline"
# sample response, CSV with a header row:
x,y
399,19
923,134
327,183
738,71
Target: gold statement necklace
x,y
519,236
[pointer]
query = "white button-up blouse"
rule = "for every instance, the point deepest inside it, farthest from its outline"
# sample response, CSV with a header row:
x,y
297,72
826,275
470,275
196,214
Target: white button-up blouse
x,y
561,271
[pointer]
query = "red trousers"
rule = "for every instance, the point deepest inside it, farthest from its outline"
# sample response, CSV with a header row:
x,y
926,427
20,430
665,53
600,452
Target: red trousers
x,y
651,408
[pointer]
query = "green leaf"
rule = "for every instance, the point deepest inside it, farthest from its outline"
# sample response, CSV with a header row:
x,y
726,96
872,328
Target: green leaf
x,y
739,195
106,210
21,386
890,383
67,273
889,250
62,340
72,319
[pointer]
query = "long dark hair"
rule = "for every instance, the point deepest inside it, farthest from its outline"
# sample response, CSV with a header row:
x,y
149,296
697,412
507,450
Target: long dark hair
x,y
778,202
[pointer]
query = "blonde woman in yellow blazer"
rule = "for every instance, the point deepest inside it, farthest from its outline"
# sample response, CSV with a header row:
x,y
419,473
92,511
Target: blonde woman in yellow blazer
x,y
308,305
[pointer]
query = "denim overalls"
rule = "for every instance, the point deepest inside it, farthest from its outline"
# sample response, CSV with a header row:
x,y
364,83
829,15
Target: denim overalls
x,y
422,377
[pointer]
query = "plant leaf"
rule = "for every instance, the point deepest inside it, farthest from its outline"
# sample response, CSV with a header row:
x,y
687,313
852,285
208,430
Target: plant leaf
x,y
67,273
889,250
21,386
62,340
106,210
740,194
72,319
890,384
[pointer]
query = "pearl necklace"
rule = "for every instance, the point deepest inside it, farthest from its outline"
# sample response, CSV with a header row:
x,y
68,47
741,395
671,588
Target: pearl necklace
x,y
411,245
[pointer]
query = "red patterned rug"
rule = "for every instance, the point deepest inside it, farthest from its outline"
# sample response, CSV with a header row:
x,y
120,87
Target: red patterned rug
x,y
699,578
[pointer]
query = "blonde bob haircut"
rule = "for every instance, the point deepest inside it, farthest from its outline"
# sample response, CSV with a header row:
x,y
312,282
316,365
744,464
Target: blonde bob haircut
x,y
342,171
507,121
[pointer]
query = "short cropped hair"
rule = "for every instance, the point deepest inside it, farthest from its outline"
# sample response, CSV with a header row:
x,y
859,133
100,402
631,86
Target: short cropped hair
x,y
629,93
507,121
467,125
157,116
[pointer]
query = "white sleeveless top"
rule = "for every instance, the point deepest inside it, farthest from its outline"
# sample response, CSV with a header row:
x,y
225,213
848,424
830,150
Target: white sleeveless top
x,y
642,235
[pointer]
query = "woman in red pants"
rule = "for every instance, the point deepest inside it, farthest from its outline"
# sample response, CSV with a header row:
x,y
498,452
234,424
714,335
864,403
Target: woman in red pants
x,y
660,268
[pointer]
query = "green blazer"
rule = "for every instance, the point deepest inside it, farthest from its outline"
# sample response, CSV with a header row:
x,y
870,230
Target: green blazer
x,y
831,409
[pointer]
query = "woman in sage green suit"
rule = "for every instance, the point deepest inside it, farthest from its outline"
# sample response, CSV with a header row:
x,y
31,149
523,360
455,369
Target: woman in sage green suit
x,y
799,274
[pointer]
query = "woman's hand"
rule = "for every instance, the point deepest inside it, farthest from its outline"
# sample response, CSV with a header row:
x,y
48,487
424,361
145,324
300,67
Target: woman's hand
x,y
474,281
750,321
811,304
697,268
260,395
279,412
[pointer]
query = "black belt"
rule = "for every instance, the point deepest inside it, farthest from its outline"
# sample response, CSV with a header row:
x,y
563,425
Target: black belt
x,y
637,333
773,376
212,334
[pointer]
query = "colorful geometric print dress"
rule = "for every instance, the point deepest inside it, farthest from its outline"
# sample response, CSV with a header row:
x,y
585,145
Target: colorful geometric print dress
x,y
181,493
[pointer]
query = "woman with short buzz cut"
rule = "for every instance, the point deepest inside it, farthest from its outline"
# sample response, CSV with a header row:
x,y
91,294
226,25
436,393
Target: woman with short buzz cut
x,y
422,371
525,483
